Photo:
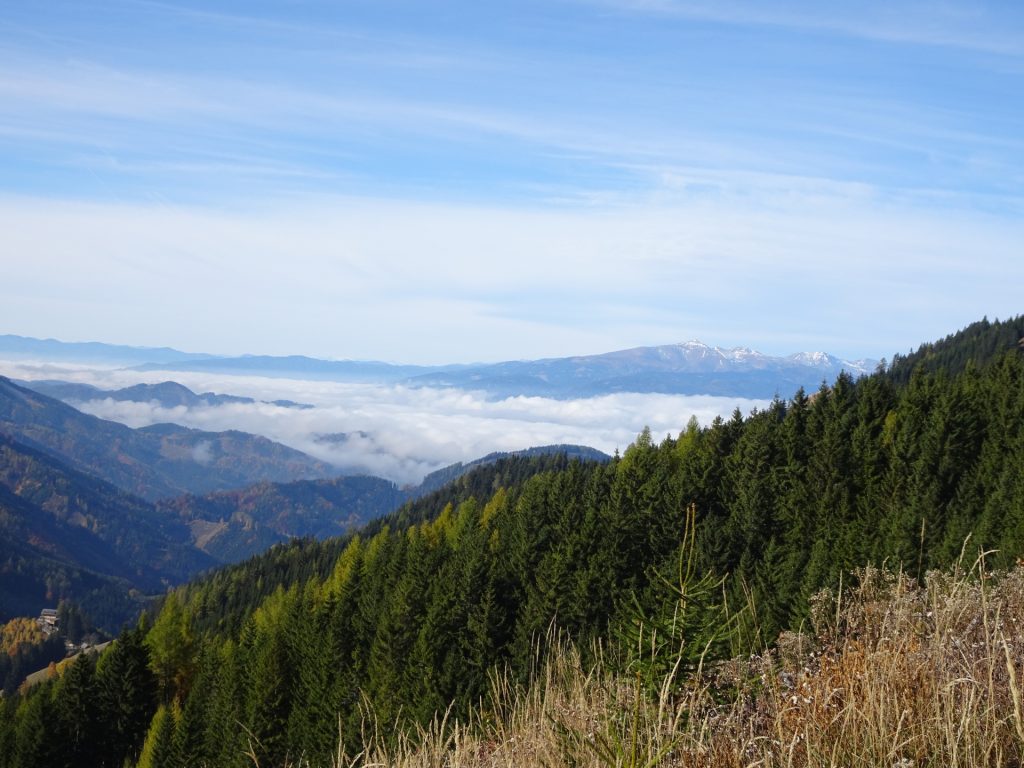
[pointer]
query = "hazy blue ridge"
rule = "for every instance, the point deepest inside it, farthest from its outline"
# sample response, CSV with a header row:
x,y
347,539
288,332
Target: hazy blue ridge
x,y
167,394
90,351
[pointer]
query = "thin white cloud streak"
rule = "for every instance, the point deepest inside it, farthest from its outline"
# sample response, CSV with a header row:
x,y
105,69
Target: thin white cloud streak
x,y
398,432
968,26
345,43
89,89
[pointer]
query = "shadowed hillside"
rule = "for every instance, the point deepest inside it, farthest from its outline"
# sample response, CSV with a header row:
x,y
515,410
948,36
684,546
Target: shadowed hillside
x,y
154,462
66,534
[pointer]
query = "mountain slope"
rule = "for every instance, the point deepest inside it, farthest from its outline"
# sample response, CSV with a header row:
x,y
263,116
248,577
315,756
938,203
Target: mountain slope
x,y
43,562
440,478
238,589
233,525
154,462
64,534
978,344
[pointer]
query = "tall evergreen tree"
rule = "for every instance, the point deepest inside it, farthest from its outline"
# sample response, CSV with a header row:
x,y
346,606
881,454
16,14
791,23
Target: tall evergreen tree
x,y
126,697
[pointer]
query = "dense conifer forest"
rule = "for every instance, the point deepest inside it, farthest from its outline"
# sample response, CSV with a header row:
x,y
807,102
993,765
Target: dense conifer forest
x,y
276,658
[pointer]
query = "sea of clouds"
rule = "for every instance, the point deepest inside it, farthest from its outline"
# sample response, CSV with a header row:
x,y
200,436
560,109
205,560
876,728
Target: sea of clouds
x,y
394,431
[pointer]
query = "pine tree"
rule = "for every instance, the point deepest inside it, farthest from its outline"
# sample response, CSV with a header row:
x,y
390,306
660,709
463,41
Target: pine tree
x,y
189,746
171,649
158,749
76,716
269,678
226,737
126,697
35,745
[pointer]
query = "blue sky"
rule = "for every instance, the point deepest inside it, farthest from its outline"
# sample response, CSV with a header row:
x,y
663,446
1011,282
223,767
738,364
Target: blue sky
x,y
434,182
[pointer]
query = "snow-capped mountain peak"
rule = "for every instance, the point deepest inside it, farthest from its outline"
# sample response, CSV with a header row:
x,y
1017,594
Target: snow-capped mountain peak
x,y
820,359
695,345
741,354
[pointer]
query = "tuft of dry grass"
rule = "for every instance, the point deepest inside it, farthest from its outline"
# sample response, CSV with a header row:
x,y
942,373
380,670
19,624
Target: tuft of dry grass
x,y
891,674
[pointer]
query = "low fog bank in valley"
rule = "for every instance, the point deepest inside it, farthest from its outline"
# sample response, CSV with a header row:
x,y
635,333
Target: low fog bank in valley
x,y
392,431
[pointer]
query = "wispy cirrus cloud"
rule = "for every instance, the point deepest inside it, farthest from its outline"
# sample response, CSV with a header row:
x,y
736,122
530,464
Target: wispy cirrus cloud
x,y
331,118
988,27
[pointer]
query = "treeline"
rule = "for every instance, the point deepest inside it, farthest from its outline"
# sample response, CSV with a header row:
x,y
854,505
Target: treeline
x,y
977,344
409,617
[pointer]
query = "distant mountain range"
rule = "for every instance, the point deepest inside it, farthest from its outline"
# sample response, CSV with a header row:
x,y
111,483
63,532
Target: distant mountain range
x,y
167,394
167,359
300,367
689,368
28,348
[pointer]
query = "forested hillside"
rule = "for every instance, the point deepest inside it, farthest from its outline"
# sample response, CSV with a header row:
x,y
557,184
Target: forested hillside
x,y
410,616
64,534
977,344
230,595
233,525
155,462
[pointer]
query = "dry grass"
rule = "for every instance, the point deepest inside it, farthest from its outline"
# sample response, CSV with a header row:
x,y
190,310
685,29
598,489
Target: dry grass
x,y
892,674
